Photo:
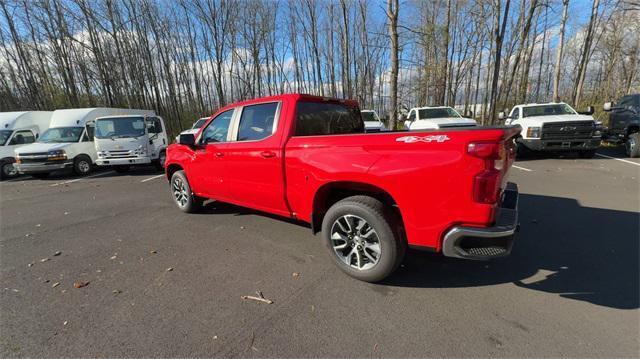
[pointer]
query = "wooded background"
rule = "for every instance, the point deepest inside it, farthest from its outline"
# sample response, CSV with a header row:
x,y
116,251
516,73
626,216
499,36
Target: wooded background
x,y
186,58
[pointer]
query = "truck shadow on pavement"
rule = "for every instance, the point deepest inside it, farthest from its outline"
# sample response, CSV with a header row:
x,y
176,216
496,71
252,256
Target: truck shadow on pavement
x,y
580,253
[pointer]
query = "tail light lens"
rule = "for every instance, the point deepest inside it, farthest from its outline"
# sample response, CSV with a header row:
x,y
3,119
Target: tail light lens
x,y
486,184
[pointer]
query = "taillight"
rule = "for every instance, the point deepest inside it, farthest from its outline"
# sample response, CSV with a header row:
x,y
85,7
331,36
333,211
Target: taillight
x,y
486,184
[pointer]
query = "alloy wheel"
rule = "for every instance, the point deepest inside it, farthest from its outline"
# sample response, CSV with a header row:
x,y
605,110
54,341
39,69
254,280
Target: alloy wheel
x,y
180,193
355,242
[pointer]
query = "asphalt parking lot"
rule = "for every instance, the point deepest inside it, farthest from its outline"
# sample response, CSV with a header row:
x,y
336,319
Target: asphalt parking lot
x,y
164,283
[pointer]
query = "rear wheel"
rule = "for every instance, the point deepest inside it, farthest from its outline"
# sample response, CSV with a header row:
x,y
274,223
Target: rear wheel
x,y
182,195
364,238
121,169
7,170
632,145
82,165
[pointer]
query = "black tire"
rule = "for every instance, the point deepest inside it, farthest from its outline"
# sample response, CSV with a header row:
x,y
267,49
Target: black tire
x,y
82,165
7,171
632,145
122,168
42,175
182,195
388,230
587,154
522,151
159,163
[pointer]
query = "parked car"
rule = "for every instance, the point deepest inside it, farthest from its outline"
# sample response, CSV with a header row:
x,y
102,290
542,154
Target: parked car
x,y
19,129
68,143
372,122
138,138
624,123
195,128
554,127
308,158
433,118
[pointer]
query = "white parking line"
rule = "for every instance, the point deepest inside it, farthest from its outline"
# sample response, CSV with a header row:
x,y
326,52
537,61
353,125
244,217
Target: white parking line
x,y
151,178
81,178
522,168
619,159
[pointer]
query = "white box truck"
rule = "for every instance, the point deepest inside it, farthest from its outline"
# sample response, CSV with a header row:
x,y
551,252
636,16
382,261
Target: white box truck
x,y
18,129
128,140
68,143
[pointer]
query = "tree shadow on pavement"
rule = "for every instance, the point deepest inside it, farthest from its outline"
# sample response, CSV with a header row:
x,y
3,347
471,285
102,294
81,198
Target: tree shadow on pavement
x,y
580,253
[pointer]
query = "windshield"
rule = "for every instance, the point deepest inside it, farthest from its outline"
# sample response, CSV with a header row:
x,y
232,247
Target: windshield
x,y
547,110
120,127
368,116
4,136
61,134
437,113
200,123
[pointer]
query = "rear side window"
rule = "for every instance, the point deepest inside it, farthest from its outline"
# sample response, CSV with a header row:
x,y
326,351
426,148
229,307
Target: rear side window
x,y
319,118
257,121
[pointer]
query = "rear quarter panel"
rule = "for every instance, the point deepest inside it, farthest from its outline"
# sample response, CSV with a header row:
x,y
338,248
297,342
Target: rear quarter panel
x,y
430,181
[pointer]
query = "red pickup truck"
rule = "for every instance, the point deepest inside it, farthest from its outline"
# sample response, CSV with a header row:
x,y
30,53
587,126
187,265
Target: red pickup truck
x,y
370,194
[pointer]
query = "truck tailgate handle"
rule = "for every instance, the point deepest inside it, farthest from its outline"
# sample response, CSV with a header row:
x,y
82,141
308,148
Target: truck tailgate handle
x,y
267,154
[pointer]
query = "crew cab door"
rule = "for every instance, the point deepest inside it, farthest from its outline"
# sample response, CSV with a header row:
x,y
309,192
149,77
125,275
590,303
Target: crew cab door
x,y
254,159
207,171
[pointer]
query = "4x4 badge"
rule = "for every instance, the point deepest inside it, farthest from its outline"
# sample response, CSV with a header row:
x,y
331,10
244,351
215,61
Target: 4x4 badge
x,y
414,139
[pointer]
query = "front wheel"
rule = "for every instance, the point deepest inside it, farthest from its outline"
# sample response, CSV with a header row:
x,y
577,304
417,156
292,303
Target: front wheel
x,y
364,238
632,146
7,170
182,195
159,163
82,165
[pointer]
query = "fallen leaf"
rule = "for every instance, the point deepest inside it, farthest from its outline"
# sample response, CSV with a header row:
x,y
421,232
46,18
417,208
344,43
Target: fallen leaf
x,y
30,265
44,260
169,269
57,253
295,274
65,322
153,252
80,284
55,284
114,257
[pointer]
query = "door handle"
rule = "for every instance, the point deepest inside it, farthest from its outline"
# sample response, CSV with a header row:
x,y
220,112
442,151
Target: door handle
x,y
219,154
267,154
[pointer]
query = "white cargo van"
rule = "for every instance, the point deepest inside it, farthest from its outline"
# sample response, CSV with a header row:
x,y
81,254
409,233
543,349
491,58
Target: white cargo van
x,y
133,139
68,143
18,129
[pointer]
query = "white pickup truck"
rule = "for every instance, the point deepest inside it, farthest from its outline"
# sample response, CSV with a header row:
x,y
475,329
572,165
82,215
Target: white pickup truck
x,y
433,118
554,127
372,122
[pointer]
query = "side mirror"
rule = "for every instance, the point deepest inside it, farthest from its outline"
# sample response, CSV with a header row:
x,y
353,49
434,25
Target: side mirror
x,y
607,106
501,115
589,111
187,139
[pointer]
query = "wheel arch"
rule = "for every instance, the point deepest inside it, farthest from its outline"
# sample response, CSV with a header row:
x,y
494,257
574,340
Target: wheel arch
x,y
171,169
330,193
